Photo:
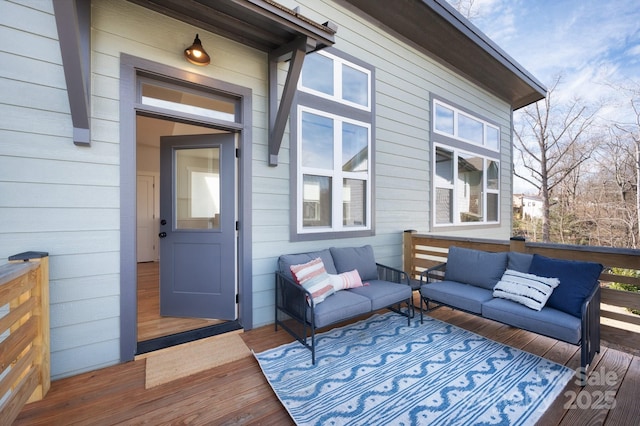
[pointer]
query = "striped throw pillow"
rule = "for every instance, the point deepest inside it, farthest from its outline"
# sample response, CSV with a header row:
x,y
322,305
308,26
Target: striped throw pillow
x,y
529,290
346,280
314,278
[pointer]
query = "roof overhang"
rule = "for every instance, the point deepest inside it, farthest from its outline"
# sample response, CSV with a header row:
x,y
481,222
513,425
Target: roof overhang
x,y
439,30
263,24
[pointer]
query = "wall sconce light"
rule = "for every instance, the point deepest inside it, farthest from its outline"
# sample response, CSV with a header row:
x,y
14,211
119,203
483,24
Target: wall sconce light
x,y
196,54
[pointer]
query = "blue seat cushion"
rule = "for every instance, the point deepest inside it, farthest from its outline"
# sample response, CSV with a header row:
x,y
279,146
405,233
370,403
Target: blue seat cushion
x,y
383,293
577,281
286,260
340,306
475,267
462,296
548,322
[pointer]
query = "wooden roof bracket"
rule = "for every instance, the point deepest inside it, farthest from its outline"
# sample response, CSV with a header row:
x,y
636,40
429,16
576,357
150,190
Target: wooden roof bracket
x,y
73,21
293,52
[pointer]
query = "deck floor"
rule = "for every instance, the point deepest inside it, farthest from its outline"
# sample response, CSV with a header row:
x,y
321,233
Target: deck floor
x,y
238,394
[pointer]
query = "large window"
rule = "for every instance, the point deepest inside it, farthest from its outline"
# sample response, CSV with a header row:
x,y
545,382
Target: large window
x,y
466,179
454,123
333,145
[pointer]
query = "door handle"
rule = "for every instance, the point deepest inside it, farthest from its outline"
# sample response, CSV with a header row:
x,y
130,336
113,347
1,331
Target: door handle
x,y
162,234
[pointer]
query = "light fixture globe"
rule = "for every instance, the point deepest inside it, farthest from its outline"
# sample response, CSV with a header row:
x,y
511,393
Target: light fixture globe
x,y
196,53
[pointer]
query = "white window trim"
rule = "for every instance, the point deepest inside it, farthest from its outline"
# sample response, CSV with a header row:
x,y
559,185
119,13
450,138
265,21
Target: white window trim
x,y
456,217
337,176
455,135
337,89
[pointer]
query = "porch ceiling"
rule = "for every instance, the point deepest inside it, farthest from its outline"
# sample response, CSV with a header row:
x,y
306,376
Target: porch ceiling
x,y
437,28
262,24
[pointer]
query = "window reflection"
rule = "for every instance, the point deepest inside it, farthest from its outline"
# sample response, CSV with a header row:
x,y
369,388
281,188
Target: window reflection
x,y
355,148
317,141
316,201
355,85
317,73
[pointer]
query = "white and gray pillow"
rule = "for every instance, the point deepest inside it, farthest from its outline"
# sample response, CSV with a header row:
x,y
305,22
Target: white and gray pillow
x,y
529,290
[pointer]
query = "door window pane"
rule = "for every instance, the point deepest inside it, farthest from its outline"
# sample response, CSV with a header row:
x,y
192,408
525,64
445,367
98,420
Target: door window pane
x,y
197,188
317,141
354,202
316,195
355,85
317,73
469,188
355,148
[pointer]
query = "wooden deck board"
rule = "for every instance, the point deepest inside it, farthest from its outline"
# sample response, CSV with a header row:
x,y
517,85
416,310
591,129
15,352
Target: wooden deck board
x,y
237,393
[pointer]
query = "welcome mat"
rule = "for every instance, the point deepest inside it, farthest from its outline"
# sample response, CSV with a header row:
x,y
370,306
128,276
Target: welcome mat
x,y
173,363
382,372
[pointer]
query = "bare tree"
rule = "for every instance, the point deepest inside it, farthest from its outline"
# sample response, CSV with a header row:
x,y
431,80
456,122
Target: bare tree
x,y
466,8
551,144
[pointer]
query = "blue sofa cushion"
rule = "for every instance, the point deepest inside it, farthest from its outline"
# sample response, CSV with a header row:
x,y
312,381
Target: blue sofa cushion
x,y
340,306
475,267
462,296
383,293
360,258
548,322
520,262
286,260
577,281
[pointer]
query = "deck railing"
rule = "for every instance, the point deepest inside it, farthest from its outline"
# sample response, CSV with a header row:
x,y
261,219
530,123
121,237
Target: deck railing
x,y
24,333
618,326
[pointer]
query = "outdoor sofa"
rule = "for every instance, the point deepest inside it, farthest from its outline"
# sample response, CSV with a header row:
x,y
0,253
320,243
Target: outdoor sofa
x,y
352,284
517,289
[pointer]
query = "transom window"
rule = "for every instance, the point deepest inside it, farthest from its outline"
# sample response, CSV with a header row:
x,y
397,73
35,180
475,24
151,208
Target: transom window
x,y
333,146
452,122
334,78
466,179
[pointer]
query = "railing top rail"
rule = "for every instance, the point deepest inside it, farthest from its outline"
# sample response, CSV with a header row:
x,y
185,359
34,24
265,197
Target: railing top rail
x,y
11,271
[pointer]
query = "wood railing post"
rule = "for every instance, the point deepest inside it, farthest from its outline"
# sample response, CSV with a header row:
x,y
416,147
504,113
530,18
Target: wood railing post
x,y
518,244
42,343
408,254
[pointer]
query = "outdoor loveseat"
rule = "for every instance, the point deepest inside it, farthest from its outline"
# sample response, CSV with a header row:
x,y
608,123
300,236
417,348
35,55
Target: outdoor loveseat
x,y
552,297
322,288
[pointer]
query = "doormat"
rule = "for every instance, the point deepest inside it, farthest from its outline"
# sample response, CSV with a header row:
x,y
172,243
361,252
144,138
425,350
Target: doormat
x,y
180,361
382,372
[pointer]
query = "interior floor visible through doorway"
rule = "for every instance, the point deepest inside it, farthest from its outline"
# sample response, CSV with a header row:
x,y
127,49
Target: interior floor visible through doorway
x,y
150,324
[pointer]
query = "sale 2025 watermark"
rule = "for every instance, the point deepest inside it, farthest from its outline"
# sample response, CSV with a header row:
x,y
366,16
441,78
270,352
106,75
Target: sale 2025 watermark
x,y
593,399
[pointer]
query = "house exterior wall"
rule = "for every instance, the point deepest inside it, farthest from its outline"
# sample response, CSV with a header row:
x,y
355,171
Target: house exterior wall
x,y
64,199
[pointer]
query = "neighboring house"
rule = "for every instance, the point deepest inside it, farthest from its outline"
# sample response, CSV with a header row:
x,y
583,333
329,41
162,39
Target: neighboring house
x,y
527,207
401,119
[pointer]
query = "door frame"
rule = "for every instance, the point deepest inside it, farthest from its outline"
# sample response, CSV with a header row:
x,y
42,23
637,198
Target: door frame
x,y
130,68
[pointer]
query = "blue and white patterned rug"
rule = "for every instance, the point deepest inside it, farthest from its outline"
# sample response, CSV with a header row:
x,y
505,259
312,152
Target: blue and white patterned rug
x,y
381,372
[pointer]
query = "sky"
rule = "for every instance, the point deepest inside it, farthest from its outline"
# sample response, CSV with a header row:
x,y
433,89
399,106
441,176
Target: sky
x,y
593,44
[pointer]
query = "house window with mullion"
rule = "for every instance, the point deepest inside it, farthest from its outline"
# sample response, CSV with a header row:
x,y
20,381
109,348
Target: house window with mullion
x,y
466,169
332,147
334,170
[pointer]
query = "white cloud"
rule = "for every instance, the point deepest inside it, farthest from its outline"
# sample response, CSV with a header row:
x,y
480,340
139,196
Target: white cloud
x,y
593,44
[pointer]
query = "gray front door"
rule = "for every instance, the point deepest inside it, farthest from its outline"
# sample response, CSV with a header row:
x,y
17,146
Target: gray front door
x,y
197,227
